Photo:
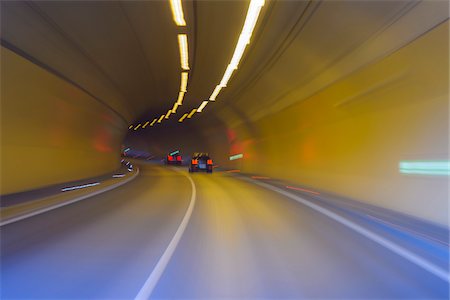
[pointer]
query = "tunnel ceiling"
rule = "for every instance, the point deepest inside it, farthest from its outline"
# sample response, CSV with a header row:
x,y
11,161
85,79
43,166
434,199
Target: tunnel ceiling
x,y
126,53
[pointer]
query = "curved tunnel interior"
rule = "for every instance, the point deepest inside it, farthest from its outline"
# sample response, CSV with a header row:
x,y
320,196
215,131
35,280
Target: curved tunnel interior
x,y
343,98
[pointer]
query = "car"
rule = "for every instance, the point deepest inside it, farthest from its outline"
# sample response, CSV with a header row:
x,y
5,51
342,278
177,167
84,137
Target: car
x,y
201,162
174,159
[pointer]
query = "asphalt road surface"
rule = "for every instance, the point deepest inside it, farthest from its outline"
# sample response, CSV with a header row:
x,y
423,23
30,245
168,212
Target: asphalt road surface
x,y
217,236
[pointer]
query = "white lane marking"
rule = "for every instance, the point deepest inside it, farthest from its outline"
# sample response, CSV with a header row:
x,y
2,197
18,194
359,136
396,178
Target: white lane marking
x,y
403,252
79,187
118,175
152,280
40,211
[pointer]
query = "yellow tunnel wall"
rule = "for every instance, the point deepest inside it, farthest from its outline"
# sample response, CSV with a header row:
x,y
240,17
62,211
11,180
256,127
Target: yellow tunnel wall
x,y
349,137
51,131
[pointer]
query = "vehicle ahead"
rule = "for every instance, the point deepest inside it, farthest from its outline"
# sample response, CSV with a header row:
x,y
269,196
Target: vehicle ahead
x,y
174,159
201,162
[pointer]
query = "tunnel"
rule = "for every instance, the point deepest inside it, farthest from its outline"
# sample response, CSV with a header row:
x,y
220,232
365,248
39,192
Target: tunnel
x,y
323,127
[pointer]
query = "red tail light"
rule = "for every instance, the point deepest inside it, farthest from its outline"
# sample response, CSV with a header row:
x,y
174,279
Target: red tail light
x,y
194,161
170,158
178,158
209,162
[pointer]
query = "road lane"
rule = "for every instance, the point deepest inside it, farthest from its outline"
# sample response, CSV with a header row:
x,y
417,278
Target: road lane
x,y
245,241
242,241
102,247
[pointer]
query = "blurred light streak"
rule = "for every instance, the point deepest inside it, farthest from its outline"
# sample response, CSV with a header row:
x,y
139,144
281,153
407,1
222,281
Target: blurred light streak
x,y
168,114
79,186
233,171
175,152
184,81
174,108
145,125
244,39
183,45
192,113
154,121
183,117
160,118
137,127
260,177
202,106
226,77
126,150
131,126
180,98
215,93
303,190
118,175
237,156
177,12
425,167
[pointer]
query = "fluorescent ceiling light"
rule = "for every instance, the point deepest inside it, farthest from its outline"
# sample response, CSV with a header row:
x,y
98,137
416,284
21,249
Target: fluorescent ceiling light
x,y
131,126
168,114
202,106
154,121
145,125
183,117
183,45
191,113
180,98
215,93
244,39
226,76
160,118
184,81
174,108
137,127
177,12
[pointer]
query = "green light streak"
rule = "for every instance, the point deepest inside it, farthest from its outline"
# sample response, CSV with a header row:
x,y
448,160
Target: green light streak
x,y
425,167
175,152
237,156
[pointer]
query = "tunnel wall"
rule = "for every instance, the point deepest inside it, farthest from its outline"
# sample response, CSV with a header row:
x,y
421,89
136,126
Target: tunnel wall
x,y
51,130
349,137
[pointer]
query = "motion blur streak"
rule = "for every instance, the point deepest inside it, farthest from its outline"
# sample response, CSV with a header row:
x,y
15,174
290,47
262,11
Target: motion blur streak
x,y
236,156
303,190
425,167
260,177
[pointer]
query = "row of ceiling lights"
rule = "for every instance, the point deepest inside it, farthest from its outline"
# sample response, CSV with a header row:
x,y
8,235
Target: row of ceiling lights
x,y
244,39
